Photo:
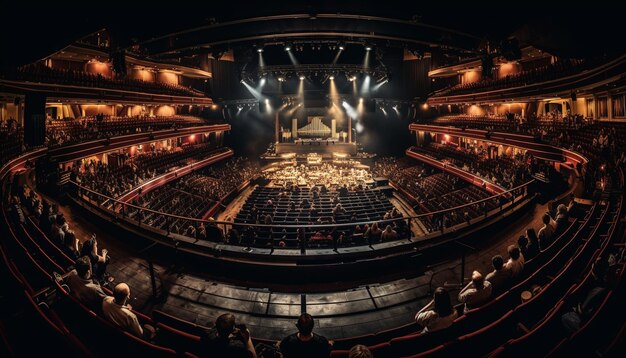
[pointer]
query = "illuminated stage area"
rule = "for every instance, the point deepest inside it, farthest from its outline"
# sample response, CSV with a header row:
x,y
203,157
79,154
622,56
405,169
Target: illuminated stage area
x,y
322,147
351,174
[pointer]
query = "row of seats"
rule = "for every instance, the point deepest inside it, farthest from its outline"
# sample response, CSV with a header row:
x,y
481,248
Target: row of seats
x,y
70,131
561,269
41,73
561,68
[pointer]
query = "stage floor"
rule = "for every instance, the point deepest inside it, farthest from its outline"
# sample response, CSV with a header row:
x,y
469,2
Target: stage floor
x,y
324,148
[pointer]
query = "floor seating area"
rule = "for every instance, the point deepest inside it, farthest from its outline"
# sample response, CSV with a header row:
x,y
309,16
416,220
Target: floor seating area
x,y
502,327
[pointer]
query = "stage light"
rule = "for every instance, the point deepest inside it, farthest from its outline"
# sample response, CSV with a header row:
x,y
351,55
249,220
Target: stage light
x,y
361,100
262,82
242,81
281,79
368,48
332,77
301,78
425,106
259,50
287,47
267,101
359,127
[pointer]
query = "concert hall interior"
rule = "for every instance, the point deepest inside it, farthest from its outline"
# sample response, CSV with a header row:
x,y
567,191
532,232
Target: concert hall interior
x,y
312,179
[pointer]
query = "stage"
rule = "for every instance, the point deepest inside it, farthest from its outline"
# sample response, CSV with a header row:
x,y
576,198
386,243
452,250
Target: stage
x,y
322,147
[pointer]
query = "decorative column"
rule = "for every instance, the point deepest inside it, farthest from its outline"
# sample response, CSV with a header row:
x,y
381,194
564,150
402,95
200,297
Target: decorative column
x,y
276,127
349,129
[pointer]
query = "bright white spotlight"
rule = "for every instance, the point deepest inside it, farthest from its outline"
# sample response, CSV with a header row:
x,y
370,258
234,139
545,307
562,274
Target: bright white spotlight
x,y
353,78
242,81
368,48
349,109
281,79
301,78
365,87
341,47
262,83
332,77
287,47
267,101
259,50
361,100
395,109
379,85
359,127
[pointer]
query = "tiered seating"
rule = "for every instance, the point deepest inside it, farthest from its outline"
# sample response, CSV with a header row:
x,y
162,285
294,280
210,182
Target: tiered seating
x,y
113,182
480,330
562,269
436,192
69,131
163,161
539,127
503,171
556,70
11,141
44,74
368,205
170,200
192,196
503,326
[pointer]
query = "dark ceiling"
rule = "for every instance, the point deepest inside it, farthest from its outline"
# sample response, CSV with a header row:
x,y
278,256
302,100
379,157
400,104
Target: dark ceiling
x,y
34,31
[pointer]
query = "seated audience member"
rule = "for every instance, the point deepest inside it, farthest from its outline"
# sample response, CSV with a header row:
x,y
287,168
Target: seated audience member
x,y
499,276
546,232
516,261
562,219
117,311
82,287
522,243
572,320
99,262
305,343
389,234
571,206
532,248
214,232
476,293
373,233
201,232
227,339
71,244
360,351
438,313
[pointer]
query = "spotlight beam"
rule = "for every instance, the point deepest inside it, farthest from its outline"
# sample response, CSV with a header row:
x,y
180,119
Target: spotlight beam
x,y
379,85
292,57
253,91
337,55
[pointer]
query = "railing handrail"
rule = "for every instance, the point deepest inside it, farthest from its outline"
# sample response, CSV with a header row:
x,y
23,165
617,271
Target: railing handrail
x,y
352,224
